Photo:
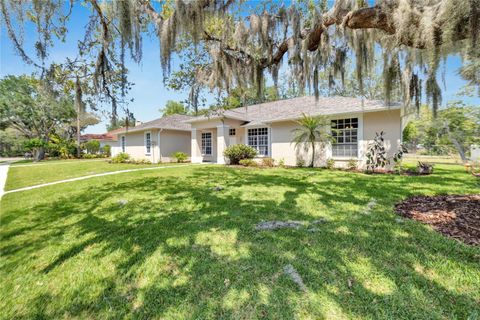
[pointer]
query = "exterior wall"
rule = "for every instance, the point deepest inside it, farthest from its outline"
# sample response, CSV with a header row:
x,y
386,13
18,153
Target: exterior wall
x,y
164,143
220,138
390,123
172,141
475,153
282,147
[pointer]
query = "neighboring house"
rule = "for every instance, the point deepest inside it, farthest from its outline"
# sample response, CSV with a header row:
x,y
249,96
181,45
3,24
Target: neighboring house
x,y
268,128
155,140
109,138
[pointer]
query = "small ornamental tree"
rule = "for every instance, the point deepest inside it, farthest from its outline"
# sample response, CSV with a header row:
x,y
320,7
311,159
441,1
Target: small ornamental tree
x,y
377,153
238,152
92,146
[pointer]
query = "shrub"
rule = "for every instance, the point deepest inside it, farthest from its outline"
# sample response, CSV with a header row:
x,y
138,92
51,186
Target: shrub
x,y
330,163
248,163
377,153
268,162
92,146
89,156
281,163
180,156
352,164
300,162
122,157
107,150
238,152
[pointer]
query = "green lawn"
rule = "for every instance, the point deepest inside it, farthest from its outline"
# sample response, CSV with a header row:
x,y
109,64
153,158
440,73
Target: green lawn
x,y
20,176
178,249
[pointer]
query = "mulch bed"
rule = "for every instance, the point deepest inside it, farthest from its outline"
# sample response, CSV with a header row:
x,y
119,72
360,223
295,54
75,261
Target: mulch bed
x,y
456,216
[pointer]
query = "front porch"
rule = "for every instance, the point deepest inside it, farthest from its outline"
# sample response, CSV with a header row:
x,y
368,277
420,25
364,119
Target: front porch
x,y
209,143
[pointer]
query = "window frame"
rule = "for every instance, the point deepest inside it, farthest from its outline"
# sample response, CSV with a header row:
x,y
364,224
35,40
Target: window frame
x,y
230,132
258,145
202,147
147,152
344,136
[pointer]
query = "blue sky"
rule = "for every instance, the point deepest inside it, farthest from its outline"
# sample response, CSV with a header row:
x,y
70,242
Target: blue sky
x,y
149,92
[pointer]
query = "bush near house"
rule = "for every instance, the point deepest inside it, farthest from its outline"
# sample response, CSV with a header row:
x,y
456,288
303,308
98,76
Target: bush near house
x,y
122,157
107,150
92,146
180,156
352,164
268,162
330,164
248,163
238,152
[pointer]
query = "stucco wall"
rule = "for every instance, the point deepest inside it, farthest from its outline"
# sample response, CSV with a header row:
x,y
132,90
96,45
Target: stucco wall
x,y
282,147
172,141
281,136
387,121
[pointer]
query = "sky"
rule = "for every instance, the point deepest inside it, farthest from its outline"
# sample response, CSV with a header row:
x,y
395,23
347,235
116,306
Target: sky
x,y
149,93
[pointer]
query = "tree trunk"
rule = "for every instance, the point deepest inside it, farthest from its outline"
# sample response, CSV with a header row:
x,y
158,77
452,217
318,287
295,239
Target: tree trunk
x,y
459,148
39,154
313,154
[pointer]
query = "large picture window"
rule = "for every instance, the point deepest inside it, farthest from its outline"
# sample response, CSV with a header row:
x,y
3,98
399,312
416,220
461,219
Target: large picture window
x,y
148,142
258,139
123,144
206,143
345,138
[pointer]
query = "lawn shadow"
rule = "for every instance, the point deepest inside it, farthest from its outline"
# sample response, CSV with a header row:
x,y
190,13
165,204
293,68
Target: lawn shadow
x,y
185,250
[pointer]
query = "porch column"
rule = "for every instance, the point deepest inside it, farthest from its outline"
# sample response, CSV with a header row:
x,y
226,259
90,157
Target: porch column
x,y
222,142
196,155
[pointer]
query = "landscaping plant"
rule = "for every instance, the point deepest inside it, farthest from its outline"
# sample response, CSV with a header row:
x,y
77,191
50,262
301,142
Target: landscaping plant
x,y
330,163
122,157
352,164
377,153
248,163
268,162
180,156
238,152
311,130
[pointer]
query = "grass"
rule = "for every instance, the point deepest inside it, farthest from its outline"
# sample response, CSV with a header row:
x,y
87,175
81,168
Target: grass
x,y
181,250
24,176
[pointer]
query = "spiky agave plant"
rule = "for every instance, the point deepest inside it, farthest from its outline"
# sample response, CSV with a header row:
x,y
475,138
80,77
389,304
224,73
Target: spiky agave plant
x,y
311,130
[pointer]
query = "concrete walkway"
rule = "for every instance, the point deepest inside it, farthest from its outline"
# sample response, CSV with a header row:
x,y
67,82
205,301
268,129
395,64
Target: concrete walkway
x,y
90,176
3,177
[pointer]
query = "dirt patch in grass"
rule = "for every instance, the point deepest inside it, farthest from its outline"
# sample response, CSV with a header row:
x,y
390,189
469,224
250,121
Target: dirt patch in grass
x,y
456,216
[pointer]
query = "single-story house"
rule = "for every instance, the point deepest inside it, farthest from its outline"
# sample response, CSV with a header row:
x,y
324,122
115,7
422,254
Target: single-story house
x,y
268,128
102,138
108,138
155,140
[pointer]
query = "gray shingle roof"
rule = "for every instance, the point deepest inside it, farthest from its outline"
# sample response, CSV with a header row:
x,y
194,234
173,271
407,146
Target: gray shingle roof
x,y
172,122
293,108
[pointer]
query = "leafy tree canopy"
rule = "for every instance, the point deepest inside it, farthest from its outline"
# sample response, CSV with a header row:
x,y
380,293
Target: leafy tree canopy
x,y
173,107
238,45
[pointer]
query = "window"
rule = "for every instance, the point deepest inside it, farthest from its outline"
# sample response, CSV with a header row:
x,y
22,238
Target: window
x,y
148,142
258,139
206,143
232,132
123,143
345,136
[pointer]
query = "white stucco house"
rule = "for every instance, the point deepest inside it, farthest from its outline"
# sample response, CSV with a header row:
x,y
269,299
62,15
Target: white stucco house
x,y
268,128
155,140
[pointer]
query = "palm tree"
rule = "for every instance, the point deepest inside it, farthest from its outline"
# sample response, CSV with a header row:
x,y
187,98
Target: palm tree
x,y
311,131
